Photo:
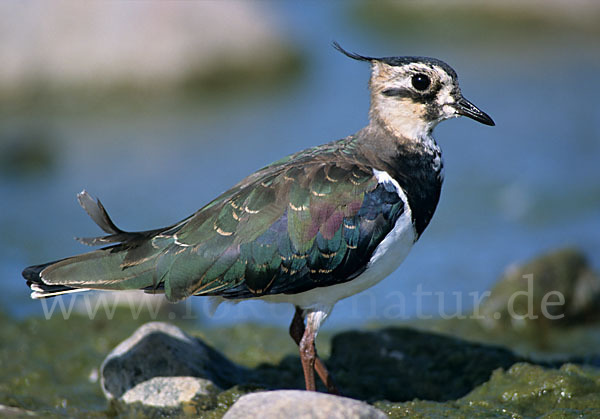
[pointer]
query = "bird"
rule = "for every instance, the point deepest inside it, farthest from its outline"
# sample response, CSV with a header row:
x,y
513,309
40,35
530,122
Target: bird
x,y
309,229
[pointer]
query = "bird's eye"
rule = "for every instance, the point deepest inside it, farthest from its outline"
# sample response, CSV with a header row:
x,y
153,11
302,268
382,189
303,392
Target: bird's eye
x,y
420,81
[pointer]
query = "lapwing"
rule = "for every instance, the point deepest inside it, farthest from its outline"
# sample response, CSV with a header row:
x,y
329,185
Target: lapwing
x,y
310,229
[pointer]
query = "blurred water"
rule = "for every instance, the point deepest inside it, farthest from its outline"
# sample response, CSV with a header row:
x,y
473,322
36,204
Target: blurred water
x,y
530,184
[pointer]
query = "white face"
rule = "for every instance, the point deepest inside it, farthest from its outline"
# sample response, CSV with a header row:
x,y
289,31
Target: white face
x,y
412,99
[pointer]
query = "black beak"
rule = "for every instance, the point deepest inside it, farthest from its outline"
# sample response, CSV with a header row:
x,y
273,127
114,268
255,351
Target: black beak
x,y
466,108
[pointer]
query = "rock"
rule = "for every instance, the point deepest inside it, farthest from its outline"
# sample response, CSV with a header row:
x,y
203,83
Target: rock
x,y
399,364
169,391
533,390
14,412
524,390
103,46
554,289
389,367
160,370
161,364
297,403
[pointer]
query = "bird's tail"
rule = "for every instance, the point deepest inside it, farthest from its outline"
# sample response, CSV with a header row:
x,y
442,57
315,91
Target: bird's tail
x,y
129,263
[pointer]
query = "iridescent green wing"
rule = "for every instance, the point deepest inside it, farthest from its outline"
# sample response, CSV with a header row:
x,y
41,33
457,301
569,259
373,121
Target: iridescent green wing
x,y
308,222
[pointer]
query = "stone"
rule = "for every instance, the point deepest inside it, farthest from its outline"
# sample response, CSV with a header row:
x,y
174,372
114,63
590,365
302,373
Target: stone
x,y
523,390
300,404
162,354
400,364
96,46
555,289
169,392
14,412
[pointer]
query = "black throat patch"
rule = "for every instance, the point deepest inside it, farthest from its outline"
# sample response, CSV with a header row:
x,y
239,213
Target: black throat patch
x,y
422,184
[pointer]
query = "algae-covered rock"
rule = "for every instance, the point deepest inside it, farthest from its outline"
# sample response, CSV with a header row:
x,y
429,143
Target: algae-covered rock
x,y
522,391
162,350
555,289
400,364
533,390
285,404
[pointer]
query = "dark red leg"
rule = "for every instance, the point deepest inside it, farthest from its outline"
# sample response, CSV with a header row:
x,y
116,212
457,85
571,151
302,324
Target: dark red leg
x,y
305,339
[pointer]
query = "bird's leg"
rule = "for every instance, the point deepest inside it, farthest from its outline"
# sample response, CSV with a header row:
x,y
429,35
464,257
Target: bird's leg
x,y
308,355
298,333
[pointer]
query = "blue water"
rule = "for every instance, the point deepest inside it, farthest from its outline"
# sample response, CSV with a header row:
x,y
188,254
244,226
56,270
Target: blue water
x,y
528,185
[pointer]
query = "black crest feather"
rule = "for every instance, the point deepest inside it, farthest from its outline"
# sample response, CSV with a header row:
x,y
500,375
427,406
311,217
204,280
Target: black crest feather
x,y
398,61
352,55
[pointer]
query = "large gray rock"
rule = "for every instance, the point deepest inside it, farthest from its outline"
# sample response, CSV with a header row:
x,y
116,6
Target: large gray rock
x,y
299,404
160,364
98,45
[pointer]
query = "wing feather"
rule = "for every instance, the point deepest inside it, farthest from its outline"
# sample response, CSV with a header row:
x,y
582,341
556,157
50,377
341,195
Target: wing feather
x,y
312,220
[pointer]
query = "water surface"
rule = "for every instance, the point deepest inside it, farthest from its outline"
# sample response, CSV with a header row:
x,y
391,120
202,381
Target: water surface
x,y
530,184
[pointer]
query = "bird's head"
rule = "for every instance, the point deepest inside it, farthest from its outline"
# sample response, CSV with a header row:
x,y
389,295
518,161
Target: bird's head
x,y
411,95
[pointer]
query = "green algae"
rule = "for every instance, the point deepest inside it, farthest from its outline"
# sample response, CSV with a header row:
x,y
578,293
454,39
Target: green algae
x,y
522,391
270,345
46,365
532,390
222,403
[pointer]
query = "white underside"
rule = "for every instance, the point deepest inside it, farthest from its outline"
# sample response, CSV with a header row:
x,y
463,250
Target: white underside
x,y
390,253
